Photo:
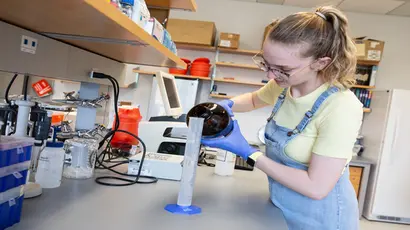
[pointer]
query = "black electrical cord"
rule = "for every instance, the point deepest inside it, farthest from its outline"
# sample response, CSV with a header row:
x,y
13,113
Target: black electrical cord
x,y
110,135
25,86
6,96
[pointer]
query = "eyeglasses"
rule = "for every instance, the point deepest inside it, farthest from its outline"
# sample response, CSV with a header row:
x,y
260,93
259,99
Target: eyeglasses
x,y
261,63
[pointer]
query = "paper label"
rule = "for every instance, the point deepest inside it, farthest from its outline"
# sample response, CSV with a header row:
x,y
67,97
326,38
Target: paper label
x,y
12,202
134,150
374,55
225,43
20,150
374,44
17,175
361,50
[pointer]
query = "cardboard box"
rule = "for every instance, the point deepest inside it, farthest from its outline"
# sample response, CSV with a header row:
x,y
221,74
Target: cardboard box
x,y
369,49
154,28
267,30
228,40
192,32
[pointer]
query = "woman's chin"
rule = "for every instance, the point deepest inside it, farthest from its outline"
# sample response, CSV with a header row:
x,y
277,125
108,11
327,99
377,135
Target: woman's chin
x,y
281,83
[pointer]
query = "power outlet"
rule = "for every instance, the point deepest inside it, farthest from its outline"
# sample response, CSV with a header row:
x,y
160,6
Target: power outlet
x,y
28,44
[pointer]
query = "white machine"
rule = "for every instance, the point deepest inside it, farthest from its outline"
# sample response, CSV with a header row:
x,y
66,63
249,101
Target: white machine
x,y
386,132
169,93
164,136
164,166
165,139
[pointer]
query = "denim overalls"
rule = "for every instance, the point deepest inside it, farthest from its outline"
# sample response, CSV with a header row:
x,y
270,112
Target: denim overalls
x,y
338,210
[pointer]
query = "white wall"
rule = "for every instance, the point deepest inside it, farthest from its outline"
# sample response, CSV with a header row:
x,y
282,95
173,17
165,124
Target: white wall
x,y
249,20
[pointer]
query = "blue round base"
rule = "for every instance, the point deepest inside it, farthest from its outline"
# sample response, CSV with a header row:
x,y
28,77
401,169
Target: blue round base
x,y
183,210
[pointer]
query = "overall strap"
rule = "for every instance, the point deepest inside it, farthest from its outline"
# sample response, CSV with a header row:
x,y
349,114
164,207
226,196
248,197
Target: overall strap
x,y
309,114
278,104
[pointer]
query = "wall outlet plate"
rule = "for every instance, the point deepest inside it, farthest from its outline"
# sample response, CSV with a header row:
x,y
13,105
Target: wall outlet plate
x,y
28,44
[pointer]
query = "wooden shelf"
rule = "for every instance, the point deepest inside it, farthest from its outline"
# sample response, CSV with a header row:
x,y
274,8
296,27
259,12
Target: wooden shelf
x,y
173,4
366,110
220,96
239,82
175,75
363,87
362,62
93,25
186,46
238,51
242,66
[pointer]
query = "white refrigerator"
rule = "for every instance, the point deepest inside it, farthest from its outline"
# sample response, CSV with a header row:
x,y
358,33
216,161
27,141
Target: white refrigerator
x,y
386,132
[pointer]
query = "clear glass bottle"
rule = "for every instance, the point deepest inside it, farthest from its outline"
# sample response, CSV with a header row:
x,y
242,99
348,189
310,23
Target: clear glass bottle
x,y
80,158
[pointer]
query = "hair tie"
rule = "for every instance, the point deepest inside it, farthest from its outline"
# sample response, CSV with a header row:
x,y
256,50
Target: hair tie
x,y
321,15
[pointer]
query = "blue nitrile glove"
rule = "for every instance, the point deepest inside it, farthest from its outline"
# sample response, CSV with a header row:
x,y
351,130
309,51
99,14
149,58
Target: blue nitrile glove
x,y
234,142
227,104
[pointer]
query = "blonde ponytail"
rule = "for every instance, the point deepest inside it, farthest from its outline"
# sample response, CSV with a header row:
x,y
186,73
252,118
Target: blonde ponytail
x,y
326,31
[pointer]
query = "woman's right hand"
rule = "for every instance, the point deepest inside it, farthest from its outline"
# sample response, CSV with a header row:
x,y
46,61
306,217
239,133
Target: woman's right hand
x,y
227,104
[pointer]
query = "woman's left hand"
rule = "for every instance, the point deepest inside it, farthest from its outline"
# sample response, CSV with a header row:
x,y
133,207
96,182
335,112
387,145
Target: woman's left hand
x,y
234,142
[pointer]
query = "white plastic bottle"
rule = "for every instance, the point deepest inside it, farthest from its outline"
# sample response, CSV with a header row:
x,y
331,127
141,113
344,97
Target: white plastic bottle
x,y
225,163
50,165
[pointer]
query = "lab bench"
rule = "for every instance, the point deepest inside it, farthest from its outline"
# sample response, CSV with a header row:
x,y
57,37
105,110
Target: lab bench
x,y
237,202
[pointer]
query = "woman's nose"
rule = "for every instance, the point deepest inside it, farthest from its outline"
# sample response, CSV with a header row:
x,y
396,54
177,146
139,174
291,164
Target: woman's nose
x,y
271,75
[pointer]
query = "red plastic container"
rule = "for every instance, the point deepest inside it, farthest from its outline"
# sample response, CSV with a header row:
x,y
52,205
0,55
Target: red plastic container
x,y
202,60
178,71
181,71
129,121
201,66
200,73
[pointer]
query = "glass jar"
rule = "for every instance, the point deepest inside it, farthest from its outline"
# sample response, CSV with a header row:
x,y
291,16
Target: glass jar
x,y
80,158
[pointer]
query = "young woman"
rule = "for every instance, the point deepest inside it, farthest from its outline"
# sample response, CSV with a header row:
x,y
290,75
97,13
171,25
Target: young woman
x,y
310,134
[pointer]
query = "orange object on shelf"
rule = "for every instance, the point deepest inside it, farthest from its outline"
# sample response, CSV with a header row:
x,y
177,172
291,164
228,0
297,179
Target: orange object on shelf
x,y
56,119
130,118
181,71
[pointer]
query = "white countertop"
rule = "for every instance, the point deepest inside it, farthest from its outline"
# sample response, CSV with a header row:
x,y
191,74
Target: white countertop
x,y
237,202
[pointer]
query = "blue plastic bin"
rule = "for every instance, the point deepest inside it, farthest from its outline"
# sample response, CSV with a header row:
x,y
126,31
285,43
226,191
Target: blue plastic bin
x,y
14,150
11,204
13,180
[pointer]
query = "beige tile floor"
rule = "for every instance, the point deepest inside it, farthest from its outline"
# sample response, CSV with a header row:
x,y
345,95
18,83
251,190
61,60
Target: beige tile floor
x,y
372,225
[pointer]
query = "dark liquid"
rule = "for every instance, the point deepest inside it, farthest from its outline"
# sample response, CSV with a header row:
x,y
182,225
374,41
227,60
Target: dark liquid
x,y
216,121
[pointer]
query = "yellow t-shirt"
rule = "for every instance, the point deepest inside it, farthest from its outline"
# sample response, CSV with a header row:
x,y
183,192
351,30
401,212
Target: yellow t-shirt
x,y
332,131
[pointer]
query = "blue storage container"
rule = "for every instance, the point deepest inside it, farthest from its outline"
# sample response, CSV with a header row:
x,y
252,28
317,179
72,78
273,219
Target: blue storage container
x,y
11,204
14,150
13,180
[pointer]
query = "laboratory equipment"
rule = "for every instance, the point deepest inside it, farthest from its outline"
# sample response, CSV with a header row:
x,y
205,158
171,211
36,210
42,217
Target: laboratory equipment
x,y
386,132
130,118
50,165
80,158
217,121
186,190
162,166
170,96
164,136
225,163
187,91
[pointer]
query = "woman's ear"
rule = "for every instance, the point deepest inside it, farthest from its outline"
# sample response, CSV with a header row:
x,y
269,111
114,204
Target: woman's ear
x,y
321,63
